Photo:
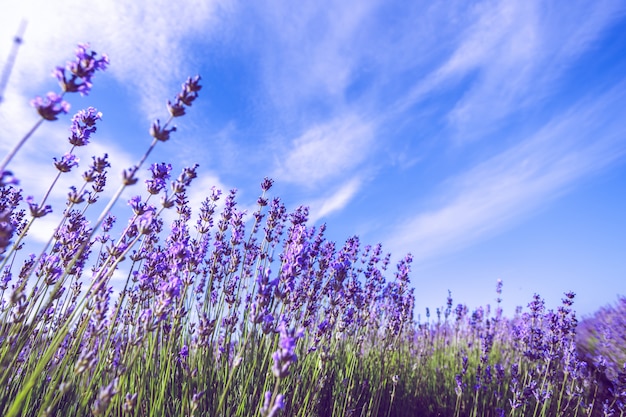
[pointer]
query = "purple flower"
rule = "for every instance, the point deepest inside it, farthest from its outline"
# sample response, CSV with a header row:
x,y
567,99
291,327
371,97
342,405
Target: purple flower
x,y
160,174
459,384
50,106
184,352
285,355
35,210
499,287
74,197
6,230
83,126
138,206
81,70
300,215
270,409
128,176
146,222
176,109
184,179
170,289
72,239
569,298
161,133
188,94
101,404
98,166
267,184
130,401
49,268
161,170
108,223
66,163
448,309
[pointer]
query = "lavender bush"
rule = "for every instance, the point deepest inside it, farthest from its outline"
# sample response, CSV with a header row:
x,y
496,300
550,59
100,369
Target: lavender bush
x,y
222,314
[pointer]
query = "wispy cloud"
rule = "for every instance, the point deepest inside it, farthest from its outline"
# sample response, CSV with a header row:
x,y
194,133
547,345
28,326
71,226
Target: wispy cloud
x,y
310,49
509,54
322,207
498,53
146,45
326,151
498,192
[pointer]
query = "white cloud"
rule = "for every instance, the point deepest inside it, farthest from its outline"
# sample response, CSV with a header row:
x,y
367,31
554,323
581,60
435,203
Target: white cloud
x,y
310,48
496,193
145,43
326,151
323,207
510,52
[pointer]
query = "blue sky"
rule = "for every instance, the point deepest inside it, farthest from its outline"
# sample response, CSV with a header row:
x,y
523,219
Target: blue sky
x,y
487,138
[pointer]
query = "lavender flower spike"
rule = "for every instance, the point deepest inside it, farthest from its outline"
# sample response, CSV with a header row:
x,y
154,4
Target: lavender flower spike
x,y
6,230
186,97
269,409
81,71
50,106
285,355
83,126
101,404
66,163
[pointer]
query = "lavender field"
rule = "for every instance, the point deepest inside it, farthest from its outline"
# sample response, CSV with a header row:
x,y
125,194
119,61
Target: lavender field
x,y
224,313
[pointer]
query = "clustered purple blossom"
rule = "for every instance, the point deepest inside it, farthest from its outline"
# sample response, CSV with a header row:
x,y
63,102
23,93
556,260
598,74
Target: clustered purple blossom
x,y
283,358
543,370
187,95
160,175
285,355
50,106
77,75
185,98
601,341
271,409
66,162
83,126
6,230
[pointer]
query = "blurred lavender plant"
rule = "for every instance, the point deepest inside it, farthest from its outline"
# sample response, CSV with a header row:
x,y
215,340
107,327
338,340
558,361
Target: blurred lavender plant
x,y
601,342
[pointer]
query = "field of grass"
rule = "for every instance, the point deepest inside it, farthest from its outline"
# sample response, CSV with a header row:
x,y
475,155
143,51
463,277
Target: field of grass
x,y
220,316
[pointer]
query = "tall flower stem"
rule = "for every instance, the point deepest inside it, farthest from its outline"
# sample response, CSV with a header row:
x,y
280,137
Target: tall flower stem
x,y
127,181
54,344
17,147
26,228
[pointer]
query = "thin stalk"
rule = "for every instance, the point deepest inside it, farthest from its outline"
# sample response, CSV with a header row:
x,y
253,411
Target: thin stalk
x,y
17,147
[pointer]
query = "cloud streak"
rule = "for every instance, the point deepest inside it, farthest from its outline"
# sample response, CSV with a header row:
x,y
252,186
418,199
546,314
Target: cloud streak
x,y
335,202
326,151
509,54
146,45
311,49
499,191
